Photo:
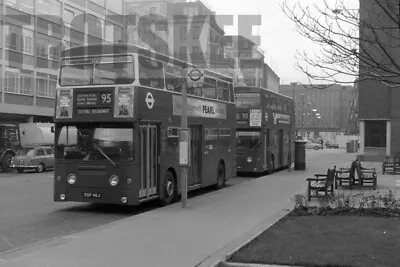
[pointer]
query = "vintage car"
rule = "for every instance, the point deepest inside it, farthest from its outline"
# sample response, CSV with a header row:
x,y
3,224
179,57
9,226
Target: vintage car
x,y
37,158
312,145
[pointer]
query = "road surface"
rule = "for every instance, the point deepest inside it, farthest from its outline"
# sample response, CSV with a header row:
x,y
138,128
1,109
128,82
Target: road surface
x,y
29,215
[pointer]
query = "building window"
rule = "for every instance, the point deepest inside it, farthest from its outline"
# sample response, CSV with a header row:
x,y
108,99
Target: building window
x,y
196,32
42,47
41,85
183,33
183,53
52,85
54,49
26,82
13,34
26,44
11,81
19,81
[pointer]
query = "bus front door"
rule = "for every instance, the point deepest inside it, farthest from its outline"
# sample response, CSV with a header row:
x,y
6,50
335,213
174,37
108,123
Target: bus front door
x,y
149,160
195,156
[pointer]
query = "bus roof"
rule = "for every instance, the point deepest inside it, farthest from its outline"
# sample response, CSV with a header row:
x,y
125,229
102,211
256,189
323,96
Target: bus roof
x,y
256,89
124,48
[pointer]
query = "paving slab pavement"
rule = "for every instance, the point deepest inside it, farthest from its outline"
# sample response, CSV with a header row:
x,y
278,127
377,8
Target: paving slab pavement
x,y
211,227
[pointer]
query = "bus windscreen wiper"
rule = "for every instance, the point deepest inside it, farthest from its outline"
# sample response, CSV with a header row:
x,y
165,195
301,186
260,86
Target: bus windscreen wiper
x,y
107,157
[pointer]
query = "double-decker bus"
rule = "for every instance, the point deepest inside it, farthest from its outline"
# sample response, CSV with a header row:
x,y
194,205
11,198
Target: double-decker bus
x,y
117,122
264,130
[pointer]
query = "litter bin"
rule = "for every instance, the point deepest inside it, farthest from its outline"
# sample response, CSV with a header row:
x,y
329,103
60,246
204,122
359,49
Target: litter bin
x,y
348,147
300,155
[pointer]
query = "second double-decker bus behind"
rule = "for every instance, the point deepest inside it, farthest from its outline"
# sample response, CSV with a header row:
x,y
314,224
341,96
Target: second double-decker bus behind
x,y
118,116
264,130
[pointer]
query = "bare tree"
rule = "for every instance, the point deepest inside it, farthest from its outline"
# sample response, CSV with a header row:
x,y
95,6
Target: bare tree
x,y
353,44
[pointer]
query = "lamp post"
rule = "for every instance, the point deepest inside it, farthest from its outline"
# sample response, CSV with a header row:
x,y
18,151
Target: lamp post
x,y
293,84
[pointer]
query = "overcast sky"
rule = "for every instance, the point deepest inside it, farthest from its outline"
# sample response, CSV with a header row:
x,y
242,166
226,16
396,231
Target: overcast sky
x,y
278,34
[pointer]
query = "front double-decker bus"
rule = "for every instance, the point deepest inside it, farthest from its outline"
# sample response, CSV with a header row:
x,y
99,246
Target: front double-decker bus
x,y
117,121
264,130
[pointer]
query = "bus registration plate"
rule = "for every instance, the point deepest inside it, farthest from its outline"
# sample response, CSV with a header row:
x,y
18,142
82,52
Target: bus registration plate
x,y
91,195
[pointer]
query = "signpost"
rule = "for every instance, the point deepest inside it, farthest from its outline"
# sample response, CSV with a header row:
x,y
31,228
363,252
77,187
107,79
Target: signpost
x,y
194,77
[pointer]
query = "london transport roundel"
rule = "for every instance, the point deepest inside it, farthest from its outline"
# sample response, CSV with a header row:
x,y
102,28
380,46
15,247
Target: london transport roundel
x,y
149,100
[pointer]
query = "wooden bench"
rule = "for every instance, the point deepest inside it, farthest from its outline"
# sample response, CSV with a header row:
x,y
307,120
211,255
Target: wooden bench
x,y
321,183
390,168
343,176
368,178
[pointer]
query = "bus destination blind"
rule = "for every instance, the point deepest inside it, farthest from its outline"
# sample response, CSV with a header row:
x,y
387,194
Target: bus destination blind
x,y
97,103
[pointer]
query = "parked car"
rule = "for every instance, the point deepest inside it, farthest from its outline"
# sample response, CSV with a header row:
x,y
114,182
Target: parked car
x,y
332,145
312,145
38,158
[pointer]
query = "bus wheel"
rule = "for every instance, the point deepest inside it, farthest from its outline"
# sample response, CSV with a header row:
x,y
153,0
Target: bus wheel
x,y
169,188
220,176
6,162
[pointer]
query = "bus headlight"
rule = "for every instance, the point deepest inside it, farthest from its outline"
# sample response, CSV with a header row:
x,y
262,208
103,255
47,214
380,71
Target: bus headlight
x,y
124,200
58,178
129,180
62,197
114,180
71,179
249,159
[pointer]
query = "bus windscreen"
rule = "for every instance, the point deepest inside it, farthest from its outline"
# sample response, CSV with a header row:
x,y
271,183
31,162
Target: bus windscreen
x,y
95,141
248,140
106,70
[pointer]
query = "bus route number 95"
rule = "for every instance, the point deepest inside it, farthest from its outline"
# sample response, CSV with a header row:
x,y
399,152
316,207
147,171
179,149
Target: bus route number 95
x,y
106,98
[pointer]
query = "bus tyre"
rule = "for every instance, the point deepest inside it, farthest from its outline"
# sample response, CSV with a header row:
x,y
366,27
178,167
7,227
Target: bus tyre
x,y
6,162
169,188
220,176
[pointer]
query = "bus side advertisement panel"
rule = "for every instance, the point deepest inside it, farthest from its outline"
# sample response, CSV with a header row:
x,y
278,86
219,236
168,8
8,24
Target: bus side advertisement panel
x,y
199,108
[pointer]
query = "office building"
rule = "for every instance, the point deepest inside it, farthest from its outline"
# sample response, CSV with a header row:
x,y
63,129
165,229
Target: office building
x,y
33,34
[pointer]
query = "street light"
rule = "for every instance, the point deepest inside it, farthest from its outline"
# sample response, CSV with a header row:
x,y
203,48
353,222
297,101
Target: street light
x,y
293,84
314,109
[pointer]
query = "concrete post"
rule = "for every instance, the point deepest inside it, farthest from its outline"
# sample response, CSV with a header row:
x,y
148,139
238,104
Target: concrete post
x,y
388,137
362,137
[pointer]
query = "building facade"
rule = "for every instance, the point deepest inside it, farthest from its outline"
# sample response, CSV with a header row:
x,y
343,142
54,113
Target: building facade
x,y
33,33
185,30
249,61
379,111
332,105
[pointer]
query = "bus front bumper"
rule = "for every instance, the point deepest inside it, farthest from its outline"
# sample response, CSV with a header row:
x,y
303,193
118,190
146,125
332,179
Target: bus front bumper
x,y
97,195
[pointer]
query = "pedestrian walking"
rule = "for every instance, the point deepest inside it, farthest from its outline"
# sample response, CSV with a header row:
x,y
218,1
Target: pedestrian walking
x,y
355,167
322,143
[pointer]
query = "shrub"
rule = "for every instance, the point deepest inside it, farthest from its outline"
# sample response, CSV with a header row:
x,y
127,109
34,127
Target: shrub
x,y
349,204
